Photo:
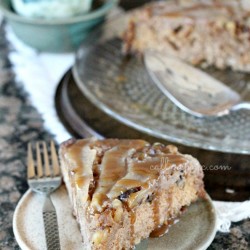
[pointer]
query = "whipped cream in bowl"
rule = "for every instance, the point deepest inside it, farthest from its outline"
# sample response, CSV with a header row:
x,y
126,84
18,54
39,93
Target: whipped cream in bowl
x,y
51,8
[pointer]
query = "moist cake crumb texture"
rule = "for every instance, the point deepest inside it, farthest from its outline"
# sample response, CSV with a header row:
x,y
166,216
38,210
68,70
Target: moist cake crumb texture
x,y
202,32
123,190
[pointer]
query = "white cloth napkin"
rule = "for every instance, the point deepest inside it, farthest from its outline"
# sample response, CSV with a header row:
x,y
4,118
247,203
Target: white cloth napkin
x,y
39,73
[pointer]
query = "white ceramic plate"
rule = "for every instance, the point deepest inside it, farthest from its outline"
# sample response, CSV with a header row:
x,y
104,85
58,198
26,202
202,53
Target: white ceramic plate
x,y
195,230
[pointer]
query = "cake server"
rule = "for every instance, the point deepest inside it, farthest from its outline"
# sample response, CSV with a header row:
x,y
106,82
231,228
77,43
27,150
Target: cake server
x,y
191,89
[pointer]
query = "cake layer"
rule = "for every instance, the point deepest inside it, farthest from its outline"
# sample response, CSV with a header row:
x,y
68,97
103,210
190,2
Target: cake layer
x,y
123,190
208,32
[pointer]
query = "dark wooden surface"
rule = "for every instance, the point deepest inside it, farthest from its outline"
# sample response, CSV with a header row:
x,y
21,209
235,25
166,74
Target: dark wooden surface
x,y
83,119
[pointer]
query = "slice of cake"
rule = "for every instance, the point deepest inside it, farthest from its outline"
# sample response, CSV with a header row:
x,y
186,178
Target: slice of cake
x,y
207,32
124,190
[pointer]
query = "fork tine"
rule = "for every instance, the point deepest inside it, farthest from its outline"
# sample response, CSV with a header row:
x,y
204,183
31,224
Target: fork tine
x,y
30,161
46,159
55,163
39,160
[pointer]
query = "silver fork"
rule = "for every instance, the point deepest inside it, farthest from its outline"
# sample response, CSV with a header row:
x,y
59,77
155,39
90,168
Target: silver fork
x,y
44,177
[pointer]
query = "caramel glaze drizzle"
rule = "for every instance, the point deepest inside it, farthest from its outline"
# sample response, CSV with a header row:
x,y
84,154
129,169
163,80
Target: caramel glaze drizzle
x,y
74,154
139,175
156,209
113,168
79,174
163,229
119,171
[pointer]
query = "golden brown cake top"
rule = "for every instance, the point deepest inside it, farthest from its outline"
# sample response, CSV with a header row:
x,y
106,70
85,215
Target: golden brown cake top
x,y
126,170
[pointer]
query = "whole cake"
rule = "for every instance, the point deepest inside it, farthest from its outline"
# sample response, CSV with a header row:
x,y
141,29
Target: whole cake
x,y
123,191
207,32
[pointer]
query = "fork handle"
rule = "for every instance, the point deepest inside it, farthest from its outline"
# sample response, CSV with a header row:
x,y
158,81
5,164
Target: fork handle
x,y
50,225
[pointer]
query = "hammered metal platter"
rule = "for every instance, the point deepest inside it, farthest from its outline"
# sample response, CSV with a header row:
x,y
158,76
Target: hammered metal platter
x,y
120,86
